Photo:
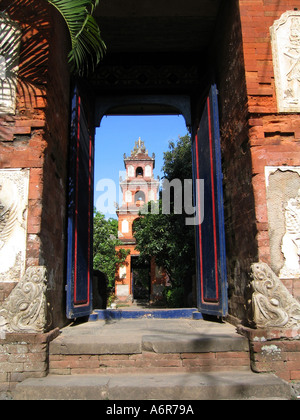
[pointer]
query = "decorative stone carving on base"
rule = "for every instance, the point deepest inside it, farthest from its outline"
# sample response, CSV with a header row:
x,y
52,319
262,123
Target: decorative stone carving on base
x,y
285,35
24,311
273,305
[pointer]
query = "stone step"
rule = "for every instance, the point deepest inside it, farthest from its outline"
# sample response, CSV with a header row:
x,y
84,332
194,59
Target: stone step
x,y
148,346
160,336
135,312
163,387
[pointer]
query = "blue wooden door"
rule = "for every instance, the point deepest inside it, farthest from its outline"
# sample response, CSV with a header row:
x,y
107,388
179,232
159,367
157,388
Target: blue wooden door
x,y
210,234
80,214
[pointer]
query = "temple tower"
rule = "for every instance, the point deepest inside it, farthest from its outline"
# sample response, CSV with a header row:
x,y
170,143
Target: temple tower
x,y
138,188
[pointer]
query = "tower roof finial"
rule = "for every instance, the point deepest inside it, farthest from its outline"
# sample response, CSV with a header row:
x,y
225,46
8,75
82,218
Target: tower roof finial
x,y
139,147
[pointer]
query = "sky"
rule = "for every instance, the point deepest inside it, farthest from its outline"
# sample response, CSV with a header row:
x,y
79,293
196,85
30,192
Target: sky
x,y
116,136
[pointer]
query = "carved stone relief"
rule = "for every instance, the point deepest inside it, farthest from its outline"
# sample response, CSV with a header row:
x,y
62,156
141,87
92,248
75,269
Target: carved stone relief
x,y
10,39
25,308
291,240
283,201
285,35
273,305
13,223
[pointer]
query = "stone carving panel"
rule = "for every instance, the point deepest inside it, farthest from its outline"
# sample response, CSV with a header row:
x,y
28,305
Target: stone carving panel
x,y
25,309
291,240
283,200
13,223
285,35
273,306
10,39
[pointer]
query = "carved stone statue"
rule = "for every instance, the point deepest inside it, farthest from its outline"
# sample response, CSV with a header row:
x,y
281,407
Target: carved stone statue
x,y
14,186
273,305
292,52
291,240
8,214
285,34
25,308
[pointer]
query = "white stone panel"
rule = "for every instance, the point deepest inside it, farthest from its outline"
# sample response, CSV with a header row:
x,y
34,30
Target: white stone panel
x,y
130,171
122,272
125,226
285,35
14,184
122,290
148,171
128,197
283,202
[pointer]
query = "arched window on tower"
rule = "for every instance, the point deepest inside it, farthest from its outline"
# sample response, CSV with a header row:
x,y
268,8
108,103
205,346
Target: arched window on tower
x,y
139,197
139,171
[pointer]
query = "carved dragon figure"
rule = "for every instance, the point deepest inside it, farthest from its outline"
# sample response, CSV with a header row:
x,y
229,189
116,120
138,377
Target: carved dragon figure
x,y
273,305
25,308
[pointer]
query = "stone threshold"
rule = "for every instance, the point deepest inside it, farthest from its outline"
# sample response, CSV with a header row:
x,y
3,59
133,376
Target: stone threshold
x,y
146,313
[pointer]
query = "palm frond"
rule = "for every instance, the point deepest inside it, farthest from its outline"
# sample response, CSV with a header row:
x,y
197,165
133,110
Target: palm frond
x,y
10,38
88,47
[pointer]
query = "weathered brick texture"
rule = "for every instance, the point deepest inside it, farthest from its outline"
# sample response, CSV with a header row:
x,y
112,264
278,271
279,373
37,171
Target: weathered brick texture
x,y
23,356
276,351
36,137
253,135
148,362
274,138
240,218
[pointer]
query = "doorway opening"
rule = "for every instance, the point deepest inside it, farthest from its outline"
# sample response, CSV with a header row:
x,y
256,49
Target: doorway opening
x,y
206,221
132,156
141,280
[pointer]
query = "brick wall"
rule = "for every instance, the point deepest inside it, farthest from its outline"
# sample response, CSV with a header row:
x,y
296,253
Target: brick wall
x,y
240,218
23,357
275,350
148,362
274,138
36,137
253,135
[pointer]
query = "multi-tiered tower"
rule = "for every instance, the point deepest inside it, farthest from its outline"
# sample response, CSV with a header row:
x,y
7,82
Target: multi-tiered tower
x,y
138,188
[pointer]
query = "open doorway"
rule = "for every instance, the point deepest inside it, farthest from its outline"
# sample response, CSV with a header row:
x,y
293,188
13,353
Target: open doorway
x,y
133,149
206,217
141,280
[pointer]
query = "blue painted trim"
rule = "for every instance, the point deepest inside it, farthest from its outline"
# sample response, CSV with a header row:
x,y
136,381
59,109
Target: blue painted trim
x,y
197,315
108,314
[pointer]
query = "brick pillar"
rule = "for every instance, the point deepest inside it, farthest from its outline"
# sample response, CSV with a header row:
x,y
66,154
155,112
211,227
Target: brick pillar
x,y
33,158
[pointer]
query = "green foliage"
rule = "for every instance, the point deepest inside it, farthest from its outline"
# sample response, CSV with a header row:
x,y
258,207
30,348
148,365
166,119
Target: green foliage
x,y
178,159
105,240
166,236
88,47
174,296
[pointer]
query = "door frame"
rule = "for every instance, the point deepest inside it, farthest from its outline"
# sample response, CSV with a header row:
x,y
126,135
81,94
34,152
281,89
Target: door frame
x,y
212,285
